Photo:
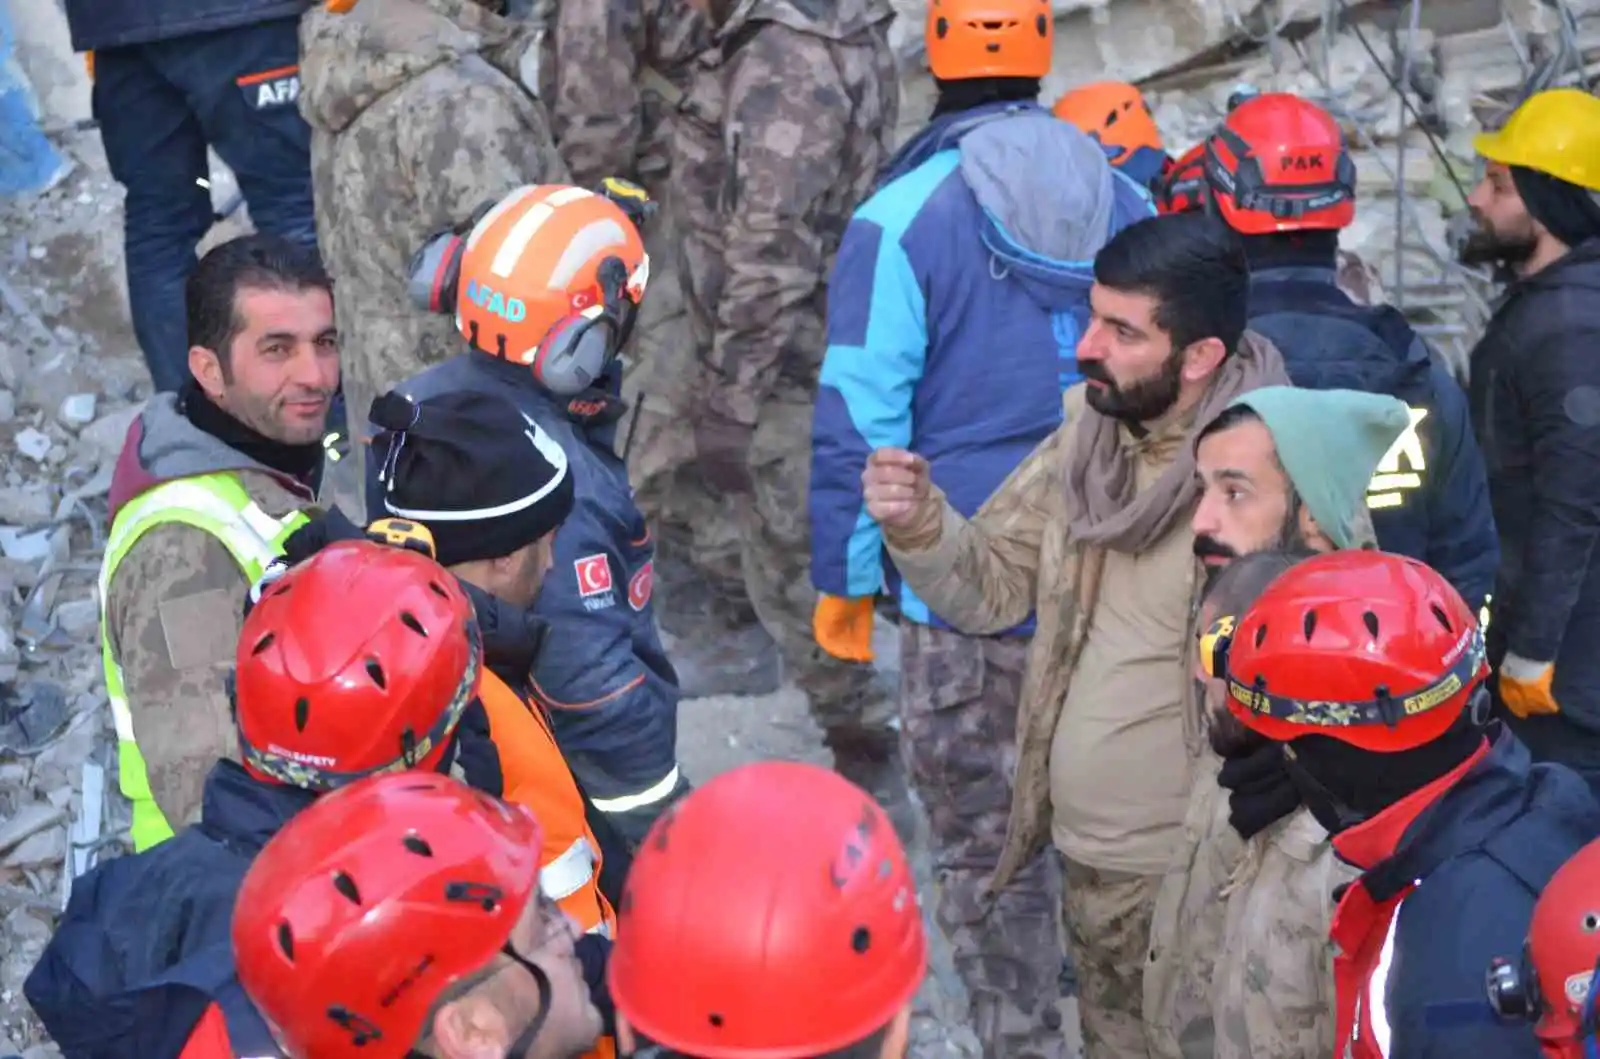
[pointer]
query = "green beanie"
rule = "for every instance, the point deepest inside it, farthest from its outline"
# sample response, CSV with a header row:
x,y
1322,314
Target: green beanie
x,y
1329,443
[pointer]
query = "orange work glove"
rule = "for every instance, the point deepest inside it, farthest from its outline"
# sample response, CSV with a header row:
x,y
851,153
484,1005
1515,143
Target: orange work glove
x,y
843,627
1525,687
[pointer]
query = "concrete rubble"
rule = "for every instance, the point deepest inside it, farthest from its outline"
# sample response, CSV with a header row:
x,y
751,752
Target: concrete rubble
x,y
71,378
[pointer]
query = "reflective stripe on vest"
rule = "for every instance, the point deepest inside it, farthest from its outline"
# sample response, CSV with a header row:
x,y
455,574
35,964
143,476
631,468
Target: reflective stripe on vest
x,y
1373,1003
625,803
536,775
216,504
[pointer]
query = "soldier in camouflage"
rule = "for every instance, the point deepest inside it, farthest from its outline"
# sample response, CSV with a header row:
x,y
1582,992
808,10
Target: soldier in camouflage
x,y
419,116
789,117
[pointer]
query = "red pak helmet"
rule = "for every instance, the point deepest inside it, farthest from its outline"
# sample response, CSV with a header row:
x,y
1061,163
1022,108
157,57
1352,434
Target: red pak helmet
x,y
1182,188
1278,163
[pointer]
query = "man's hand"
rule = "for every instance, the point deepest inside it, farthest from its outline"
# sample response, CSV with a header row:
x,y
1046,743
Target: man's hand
x,y
895,484
722,452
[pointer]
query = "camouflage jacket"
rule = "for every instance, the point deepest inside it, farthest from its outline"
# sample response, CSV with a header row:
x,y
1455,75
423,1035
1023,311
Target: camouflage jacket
x,y
789,118
1273,991
418,117
610,118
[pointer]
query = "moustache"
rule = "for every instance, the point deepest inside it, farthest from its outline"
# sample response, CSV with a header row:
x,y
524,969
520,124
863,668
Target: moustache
x,y
1095,371
1208,547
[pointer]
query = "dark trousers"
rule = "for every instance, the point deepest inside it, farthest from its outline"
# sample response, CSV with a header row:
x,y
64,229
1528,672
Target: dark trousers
x,y
159,106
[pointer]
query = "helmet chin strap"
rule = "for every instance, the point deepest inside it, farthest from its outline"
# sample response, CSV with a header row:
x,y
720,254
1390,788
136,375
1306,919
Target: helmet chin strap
x,y
522,1047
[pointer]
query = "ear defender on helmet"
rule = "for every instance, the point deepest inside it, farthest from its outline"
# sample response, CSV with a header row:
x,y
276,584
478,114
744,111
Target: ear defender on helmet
x,y
578,349
433,279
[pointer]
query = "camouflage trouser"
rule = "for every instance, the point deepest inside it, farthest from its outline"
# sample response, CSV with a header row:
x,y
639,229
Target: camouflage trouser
x,y
958,716
1107,916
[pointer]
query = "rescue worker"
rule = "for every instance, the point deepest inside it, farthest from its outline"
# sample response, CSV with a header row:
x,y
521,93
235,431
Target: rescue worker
x,y
954,312
1550,982
1116,115
1370,668
210,482
491,489
1284,473
407,916
1533,377
1164,352
1280,174
771,914
172,78
544,288
763,210
419,113
330,687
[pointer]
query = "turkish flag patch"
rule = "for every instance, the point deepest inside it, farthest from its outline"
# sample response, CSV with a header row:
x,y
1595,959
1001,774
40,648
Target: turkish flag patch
x,y
640,586
594,575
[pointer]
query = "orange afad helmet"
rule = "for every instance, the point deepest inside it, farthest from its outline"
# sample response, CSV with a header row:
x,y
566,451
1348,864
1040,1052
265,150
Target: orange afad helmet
x,y
1115,114
967,39
1278,163
550,276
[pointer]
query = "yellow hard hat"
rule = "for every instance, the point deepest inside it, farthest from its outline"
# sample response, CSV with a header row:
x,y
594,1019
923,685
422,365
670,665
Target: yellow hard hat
x,y
1556,132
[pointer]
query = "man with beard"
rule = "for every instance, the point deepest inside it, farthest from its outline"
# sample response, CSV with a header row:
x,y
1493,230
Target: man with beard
x,y
1284,467
1284,474
1093,528
1535,395
210,483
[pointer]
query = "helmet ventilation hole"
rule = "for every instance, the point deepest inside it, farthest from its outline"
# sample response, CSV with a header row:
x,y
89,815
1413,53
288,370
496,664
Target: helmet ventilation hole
x,y
1261,634
1309,626
1370,620
286,941
941,28
715,1020
415,843
302,714
1591,922
375,671
409,620
1111,119
861,939
1042,25
263,643
438,590
346,887
1444,619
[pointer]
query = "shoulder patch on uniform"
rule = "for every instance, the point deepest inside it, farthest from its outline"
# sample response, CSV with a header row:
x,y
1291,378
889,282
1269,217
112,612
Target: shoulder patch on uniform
x,y
595,586
640,586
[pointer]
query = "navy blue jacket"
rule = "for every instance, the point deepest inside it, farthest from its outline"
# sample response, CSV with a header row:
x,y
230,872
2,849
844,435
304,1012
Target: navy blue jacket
x,y
144,946
1430,497
948,334
117,23
602,672
1536,404
1482,852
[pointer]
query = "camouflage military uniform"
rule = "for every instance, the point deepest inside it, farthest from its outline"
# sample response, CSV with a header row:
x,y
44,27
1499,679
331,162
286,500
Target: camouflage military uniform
x,y
953,690
418,118
607,70
789,119
1273,993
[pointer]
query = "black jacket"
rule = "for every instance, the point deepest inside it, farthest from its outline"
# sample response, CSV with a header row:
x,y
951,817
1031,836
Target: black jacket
x,y
1535,395
116,23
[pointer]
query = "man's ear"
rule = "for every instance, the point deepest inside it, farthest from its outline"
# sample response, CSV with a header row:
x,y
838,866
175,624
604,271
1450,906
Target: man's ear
x,y
1202,359
470,1027
206,367
1311,534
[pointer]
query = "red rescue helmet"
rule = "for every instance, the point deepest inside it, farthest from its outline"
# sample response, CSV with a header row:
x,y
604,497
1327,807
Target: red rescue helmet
x,y
360,659
769,915
1182,187
1375,650
1278,163
360,913
968,39
1552,984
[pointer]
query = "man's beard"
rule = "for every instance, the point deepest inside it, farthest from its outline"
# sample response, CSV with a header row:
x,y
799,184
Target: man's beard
x,y
1485,246
1139,402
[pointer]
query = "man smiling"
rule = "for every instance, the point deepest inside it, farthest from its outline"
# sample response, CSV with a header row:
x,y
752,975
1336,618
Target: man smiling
x,y
1283,467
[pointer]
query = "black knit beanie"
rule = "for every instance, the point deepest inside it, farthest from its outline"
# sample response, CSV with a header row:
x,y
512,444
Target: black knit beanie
x,y
1567,211
481,476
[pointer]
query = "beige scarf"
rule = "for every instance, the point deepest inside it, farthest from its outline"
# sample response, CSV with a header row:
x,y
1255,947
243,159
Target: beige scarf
x,y
1104,507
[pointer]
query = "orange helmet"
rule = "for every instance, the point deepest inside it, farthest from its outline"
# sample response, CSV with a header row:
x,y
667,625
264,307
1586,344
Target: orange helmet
x,y
769,913
1278,163
1116,115
1553,984
968,39
1182,187
357,917
1374,650
550,276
